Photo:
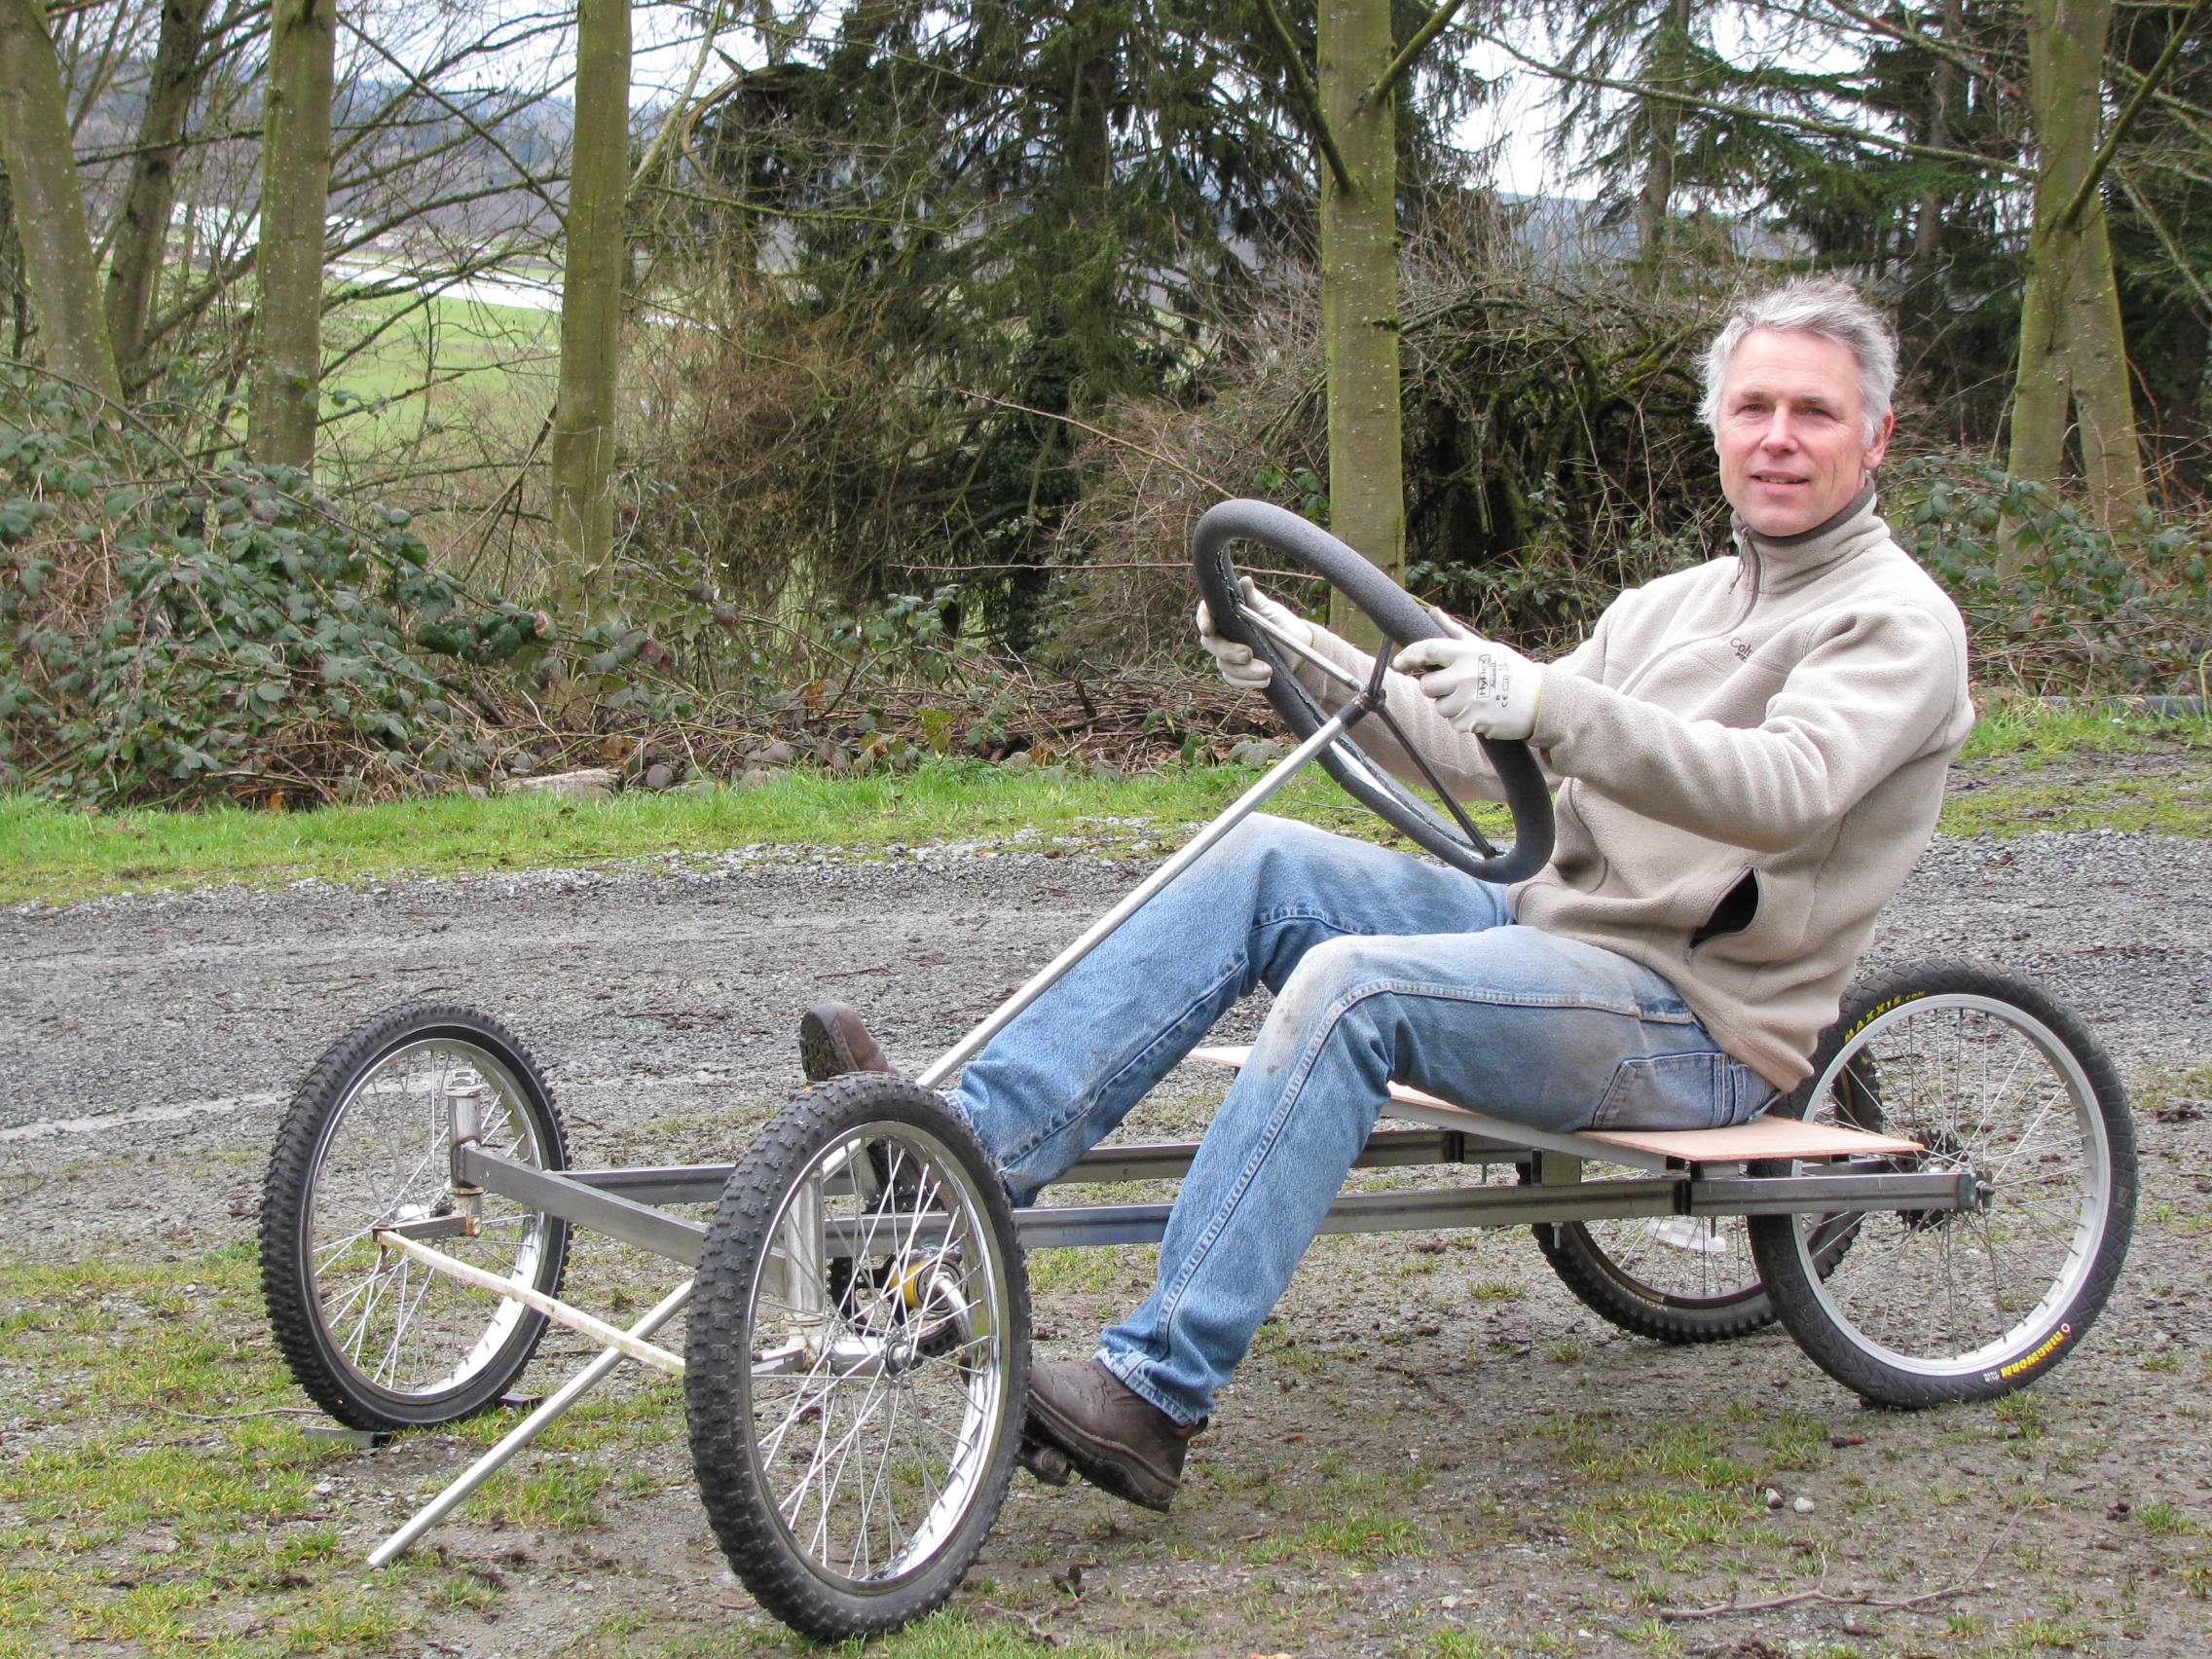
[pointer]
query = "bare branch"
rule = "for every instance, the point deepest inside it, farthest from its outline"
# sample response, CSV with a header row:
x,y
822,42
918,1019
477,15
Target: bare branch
x,y
1302,84
2072,215
1387,81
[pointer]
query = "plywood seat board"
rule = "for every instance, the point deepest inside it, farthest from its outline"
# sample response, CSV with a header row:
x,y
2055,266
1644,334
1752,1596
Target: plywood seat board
x,y
1760,1138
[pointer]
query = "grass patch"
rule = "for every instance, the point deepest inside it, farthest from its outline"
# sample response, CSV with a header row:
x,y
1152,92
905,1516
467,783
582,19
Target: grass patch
x,y
2044,734
158,1495
1663,1489
2007,785
2133,805
2081,765
51,853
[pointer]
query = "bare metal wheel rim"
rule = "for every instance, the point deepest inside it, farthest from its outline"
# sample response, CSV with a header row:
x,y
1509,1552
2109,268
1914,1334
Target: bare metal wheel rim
x,y
1988,1087
1679,1261
383,1157
876,1382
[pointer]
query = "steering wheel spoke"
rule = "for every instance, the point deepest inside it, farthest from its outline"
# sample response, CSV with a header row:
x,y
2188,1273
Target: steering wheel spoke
x,y
1459,818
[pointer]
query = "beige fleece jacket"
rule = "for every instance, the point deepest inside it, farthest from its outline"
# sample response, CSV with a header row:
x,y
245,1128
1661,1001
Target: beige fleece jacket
x,y
1753,757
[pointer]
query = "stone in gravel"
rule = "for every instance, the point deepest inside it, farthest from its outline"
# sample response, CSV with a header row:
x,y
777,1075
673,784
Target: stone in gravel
x,y
593,783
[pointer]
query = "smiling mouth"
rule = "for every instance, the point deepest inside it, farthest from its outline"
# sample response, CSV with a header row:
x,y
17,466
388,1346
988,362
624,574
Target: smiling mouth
x,y
1777,478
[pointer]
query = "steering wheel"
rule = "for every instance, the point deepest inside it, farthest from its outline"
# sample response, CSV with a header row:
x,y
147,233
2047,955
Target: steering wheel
x,y
1449,834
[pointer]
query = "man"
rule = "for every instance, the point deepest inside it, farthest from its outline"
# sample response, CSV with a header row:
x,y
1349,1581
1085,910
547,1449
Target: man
x,y
1752,755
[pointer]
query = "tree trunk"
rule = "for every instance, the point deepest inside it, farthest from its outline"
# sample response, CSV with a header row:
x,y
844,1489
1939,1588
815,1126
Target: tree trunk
x,y
295,199
1924,294
1360,295
49,204
141,232
1665,66
591,302
2072,351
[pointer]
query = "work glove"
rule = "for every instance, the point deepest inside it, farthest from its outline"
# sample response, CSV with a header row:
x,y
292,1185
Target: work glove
x,y
1239,665
1479,685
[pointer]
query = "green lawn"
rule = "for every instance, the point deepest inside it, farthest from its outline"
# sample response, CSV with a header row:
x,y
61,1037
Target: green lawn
x,y
51,853
2025,768
480,364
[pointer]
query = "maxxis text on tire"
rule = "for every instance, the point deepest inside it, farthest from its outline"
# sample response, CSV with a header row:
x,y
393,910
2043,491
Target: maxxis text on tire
x,y
858,1357
376,1340
1995,1077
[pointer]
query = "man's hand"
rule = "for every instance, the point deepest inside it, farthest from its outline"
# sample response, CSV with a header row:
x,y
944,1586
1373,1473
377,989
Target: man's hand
x,y
1237,663
1479,685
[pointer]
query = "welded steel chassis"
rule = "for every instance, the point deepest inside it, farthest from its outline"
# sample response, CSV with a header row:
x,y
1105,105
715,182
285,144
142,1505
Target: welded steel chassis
x,y
626,1204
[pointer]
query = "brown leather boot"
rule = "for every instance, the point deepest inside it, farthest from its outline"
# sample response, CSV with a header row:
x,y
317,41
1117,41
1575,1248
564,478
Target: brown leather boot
x,y
832,1041
1117,1440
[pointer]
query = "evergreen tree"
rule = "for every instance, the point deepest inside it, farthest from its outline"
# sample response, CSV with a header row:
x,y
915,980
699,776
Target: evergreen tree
x,y
1031,210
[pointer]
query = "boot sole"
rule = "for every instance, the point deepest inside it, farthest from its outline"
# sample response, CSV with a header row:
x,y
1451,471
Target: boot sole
x,y
1098,1463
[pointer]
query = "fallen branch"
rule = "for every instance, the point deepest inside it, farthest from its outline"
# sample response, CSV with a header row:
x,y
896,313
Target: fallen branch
x,y
1035,1630
234,1416
1967,1585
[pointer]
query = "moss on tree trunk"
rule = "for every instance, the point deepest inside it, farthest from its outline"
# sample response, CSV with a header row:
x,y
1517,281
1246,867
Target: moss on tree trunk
x,y
1359,293
591,301
49,206
286,382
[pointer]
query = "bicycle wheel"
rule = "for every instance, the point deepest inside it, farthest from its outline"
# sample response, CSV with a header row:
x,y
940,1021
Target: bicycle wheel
x,y
376,1338
1692,1278
858,1360
1991,1076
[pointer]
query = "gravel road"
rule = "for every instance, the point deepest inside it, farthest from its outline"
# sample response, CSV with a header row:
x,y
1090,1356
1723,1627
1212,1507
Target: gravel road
x,y
147,1045
172,1018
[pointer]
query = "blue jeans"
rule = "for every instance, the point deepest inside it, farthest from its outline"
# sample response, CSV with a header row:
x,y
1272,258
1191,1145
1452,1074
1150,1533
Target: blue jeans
x,y
1382,966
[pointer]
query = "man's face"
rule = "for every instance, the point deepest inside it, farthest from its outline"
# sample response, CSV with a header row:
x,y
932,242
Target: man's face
x,y
1791,431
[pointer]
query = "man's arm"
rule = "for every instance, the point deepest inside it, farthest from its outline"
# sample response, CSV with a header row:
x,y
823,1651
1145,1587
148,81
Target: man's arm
x,y
1870,696
1457,756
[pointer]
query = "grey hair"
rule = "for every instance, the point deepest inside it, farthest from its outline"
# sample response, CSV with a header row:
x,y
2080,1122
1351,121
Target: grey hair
x,y
1812,305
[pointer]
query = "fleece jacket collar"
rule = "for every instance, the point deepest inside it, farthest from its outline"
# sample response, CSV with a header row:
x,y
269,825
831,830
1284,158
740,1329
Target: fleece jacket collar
x,y
1777,565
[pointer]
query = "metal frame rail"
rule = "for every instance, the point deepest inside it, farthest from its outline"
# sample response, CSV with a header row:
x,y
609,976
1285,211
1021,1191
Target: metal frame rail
x,y
623,1204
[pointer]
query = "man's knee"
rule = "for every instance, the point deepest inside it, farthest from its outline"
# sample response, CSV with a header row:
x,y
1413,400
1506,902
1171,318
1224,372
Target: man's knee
x,y
1334,977
1276,852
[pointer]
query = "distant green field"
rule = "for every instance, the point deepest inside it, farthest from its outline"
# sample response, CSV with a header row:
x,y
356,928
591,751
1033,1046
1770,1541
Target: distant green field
x,y
446,366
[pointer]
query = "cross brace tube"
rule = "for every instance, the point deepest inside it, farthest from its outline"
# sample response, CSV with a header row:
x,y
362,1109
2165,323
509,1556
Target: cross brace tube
x,y
618,1217
1417,1209
1163,1161
525,1431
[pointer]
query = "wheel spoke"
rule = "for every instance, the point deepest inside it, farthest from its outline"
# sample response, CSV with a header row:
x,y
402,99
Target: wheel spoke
x,y
371,1148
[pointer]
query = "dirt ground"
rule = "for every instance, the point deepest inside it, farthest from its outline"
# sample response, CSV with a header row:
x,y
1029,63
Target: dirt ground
x,y
1433,1449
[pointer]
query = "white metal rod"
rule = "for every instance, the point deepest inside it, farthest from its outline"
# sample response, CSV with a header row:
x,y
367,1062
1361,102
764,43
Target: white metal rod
x,y
524,1433
1279,774
552,1307
1302,649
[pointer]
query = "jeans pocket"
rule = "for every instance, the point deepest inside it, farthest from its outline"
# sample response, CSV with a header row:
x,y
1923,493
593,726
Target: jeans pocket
x,y
1671,1091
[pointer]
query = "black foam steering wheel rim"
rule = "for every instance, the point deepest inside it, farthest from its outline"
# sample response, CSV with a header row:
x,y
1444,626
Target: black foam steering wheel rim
x,y
1404,621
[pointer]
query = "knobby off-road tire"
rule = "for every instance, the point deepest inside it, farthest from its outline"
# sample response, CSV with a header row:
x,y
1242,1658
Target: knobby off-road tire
x,y
1679,1279
374,1338
1990,1074
857,1364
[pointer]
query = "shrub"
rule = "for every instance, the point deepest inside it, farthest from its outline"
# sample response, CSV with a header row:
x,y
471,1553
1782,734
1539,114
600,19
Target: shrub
x,y
225,633
2088,611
